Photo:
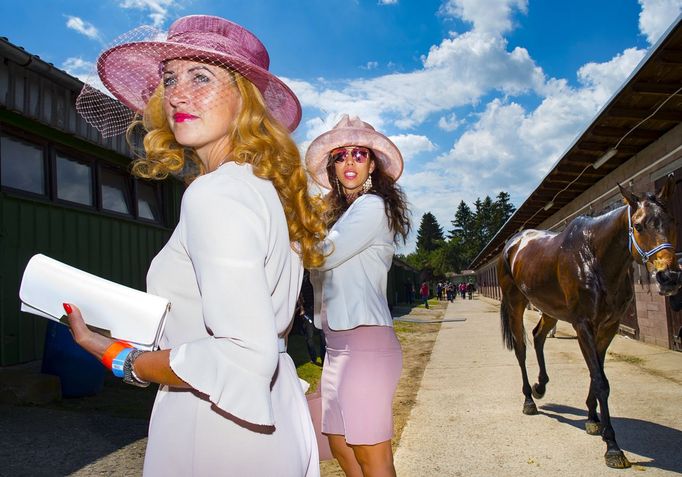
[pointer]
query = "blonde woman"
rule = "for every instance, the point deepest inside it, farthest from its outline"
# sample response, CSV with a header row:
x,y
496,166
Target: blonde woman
x,y
230,402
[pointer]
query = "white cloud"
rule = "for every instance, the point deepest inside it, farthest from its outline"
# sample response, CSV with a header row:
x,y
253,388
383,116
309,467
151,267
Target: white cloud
x,y
458,72
82,27
388,2
491,16
371,65
411,145
510,148
85,71
605,78
78,67
158,9
450,122
656,16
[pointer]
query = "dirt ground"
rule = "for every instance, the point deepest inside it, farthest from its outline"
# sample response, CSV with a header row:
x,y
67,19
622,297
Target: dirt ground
x,y
48,440
417,341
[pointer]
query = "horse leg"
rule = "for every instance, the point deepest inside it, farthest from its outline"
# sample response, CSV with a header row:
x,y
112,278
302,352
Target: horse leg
x,y
599,389
592,425
514,305
604,338
540,332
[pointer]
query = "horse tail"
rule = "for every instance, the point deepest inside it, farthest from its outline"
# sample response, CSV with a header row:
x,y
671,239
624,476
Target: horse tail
x,y
506,282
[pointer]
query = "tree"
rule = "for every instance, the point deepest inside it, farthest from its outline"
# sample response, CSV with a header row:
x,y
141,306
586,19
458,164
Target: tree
x,y
502,210
430,234
462,224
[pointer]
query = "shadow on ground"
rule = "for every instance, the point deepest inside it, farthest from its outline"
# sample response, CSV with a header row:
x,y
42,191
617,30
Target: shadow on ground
x,y
654,441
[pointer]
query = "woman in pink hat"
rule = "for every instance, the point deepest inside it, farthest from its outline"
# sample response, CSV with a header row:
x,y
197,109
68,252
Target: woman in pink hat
x,y
367,215
230,402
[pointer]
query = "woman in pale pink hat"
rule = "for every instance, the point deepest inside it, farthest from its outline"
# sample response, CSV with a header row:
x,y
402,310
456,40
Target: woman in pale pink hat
x,y
367,215
230,402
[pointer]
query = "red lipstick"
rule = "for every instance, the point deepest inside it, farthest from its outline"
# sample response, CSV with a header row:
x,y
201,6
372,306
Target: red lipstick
x,y
182,117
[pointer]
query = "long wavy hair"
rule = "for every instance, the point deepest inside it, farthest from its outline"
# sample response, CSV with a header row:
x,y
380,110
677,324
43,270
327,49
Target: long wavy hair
x,y
257,139
395,202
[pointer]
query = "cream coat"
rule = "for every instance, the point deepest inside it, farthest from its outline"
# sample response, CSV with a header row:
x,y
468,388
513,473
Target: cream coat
x,y
352,282
232,278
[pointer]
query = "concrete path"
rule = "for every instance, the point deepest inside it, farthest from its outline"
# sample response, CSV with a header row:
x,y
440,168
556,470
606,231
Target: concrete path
x,y
468,421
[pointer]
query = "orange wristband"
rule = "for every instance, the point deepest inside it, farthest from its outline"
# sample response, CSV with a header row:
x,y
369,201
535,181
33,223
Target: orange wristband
x,y
112,351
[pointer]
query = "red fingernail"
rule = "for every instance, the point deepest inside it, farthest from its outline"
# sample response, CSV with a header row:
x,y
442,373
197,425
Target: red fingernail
x,y
67,308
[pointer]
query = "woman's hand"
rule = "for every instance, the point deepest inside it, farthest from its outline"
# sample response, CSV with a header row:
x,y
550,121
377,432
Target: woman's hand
x,y
151,366
92,342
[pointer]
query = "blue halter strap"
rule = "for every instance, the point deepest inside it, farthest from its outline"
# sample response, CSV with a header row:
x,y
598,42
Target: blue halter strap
x,y
632,240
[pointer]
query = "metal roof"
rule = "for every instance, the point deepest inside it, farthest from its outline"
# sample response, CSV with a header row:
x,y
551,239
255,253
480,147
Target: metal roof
x,y
657,77
38,90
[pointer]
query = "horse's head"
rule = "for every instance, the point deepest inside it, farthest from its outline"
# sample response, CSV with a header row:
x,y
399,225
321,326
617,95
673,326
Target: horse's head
x,y
653,235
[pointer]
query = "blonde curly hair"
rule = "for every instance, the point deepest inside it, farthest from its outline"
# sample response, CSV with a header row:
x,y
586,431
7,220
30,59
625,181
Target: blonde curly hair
x,y
256,139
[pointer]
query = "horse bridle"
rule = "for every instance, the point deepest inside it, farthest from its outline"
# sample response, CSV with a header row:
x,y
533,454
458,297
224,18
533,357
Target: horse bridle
x,y
632,240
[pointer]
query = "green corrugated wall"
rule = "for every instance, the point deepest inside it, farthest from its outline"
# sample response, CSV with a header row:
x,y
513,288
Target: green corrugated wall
x,y
113,248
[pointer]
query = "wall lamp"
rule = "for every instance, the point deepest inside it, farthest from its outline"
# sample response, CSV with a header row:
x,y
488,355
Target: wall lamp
x,y
607,155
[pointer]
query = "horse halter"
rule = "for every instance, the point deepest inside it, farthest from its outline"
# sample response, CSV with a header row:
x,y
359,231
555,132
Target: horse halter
x,y
632,240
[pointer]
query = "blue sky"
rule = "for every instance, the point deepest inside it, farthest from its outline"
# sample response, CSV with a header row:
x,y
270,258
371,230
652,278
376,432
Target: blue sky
x,y
480,95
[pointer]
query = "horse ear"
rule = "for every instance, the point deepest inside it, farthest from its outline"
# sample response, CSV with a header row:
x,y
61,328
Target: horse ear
x,y
630,197
667,190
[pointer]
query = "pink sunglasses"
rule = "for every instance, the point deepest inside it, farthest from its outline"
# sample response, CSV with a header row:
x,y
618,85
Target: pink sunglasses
x,y
359,154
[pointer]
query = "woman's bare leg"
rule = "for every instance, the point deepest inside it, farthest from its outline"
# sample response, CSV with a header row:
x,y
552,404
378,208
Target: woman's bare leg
x,y
375,460
344,455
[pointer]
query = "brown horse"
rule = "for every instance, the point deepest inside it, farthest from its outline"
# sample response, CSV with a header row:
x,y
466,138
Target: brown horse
x,y
583,275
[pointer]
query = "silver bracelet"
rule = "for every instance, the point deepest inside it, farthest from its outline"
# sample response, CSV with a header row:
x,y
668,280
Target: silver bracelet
x,y
129,375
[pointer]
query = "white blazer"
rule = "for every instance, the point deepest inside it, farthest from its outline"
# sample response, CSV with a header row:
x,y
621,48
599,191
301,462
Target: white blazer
x,y
352,281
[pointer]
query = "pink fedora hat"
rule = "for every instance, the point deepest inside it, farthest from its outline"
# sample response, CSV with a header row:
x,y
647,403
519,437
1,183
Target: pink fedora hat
x,y
131,71
352,132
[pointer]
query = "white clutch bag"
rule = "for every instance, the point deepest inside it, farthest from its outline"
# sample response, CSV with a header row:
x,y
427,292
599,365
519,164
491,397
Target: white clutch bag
x,y
108,308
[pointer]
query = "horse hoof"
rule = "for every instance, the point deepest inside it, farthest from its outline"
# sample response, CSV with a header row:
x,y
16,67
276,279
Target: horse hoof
x,y
537,394
616,460
530,409
592,428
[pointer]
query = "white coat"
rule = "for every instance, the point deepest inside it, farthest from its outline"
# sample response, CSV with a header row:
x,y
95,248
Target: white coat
x,y
352,282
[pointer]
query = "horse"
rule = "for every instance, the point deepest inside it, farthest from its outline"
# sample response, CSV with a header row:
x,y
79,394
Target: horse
x,y
583,275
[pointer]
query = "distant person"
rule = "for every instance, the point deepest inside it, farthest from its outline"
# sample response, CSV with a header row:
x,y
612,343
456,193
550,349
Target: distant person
x,y
424,294
470,290
305,314
307,329
367,216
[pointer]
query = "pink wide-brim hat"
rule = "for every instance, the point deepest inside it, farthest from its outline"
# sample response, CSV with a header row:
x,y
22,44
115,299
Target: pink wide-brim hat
x,y
352,132
132,71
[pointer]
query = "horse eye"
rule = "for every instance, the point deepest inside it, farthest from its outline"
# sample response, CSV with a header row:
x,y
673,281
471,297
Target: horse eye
x,y
638,227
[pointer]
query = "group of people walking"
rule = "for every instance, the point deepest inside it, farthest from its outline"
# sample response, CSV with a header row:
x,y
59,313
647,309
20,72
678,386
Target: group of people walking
x,y
447,291
229,401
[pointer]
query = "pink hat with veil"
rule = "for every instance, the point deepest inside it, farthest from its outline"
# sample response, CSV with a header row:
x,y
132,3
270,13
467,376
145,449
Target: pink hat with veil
x,y
132,70
352,131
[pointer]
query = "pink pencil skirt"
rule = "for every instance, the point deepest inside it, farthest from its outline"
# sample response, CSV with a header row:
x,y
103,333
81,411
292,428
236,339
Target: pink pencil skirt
x,y
361,370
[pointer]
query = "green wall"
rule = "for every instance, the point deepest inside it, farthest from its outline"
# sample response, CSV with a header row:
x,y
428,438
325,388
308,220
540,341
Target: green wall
x,y
113,248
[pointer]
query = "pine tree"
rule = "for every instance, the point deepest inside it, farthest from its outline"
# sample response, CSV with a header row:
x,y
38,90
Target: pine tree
x,y
463,222
502,210
430,234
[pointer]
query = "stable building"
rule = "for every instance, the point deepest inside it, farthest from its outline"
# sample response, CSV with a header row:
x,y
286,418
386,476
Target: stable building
x,y
66,192
635,140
